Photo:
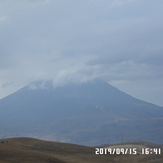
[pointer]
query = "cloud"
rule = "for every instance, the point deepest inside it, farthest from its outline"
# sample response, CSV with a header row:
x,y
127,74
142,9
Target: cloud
x,y
117,3
80,40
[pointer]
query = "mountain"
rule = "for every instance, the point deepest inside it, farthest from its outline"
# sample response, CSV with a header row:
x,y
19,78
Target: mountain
x,y
89,113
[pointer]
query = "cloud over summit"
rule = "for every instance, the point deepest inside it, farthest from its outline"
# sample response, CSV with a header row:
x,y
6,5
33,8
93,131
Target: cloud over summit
x,y
81,40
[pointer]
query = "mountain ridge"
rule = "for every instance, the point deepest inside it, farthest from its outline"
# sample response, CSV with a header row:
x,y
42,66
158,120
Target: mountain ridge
x,y
78,113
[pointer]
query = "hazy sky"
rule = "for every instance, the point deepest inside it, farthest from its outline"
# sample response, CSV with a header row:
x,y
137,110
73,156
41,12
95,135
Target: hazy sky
x,y
120,41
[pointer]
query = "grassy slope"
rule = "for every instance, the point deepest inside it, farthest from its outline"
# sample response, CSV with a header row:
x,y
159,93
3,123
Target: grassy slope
x,y
26,150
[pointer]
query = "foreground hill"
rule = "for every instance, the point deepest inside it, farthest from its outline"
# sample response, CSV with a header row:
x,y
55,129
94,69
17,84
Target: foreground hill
x,y
26,150
90,113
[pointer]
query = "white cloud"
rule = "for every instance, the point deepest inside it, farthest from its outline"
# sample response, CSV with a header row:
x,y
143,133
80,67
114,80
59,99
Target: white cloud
x,y
78,41
3,17
117,3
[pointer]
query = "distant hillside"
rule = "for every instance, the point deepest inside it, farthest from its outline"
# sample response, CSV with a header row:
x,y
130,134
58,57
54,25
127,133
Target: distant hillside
x,y
27,150
91,113
134,144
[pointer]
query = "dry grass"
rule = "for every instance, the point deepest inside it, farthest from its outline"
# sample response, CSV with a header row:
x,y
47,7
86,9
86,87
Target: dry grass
x,y
25,150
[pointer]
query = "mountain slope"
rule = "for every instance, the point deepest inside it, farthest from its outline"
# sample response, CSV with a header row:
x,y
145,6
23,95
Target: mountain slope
x,y
89,113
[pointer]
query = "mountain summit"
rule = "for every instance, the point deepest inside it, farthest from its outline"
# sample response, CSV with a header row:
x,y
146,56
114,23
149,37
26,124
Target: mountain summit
x,y
89,113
